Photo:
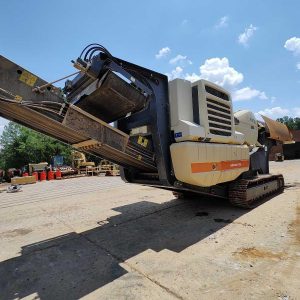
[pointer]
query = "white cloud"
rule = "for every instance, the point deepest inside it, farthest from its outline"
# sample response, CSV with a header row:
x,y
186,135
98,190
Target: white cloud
x,y
246,35
293,45
298,66
180,59
223,22
176,73
163,52
248,93
296,111
192,77
220,72
275,112
278,112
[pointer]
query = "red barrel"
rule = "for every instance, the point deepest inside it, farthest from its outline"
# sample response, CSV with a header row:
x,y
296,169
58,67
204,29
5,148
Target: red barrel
x,y
43,176
58,174
50,175
36,174
25,174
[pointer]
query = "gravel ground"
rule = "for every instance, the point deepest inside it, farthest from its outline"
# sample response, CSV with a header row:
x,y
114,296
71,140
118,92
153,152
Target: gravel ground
x,y
99,238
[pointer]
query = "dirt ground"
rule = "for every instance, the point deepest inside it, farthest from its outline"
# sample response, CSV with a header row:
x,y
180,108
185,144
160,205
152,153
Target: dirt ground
x,y
99,238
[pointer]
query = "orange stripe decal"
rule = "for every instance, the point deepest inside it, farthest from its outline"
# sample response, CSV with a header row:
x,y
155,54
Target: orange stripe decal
x,y
219,166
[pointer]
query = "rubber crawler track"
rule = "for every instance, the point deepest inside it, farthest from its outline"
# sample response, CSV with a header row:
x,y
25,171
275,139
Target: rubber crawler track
x,y
238,190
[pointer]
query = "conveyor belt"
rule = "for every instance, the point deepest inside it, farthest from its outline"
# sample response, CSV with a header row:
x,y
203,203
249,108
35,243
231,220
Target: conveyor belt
x,y
86,133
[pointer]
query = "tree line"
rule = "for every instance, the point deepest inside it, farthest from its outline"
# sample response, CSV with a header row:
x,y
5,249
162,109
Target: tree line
x,y
20,146
291,123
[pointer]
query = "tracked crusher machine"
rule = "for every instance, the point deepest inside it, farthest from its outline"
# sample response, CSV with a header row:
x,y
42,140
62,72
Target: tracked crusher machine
x,y
175,135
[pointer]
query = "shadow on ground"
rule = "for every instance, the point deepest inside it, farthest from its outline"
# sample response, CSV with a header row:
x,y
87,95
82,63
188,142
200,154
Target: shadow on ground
x,y
74,265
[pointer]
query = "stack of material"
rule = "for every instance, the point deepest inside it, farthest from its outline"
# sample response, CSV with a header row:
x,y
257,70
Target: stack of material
x,y
23,180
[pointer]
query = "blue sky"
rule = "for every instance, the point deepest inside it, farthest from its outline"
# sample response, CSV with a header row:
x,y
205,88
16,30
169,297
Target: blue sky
x,y
251,48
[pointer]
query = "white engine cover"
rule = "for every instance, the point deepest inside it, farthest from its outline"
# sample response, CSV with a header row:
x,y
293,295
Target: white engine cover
x,y
246,123
202,111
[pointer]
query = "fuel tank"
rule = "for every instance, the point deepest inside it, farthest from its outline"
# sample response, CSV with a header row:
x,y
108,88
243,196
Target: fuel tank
x,y
208,164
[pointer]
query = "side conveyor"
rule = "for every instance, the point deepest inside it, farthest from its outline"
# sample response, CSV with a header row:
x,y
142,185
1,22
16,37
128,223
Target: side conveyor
x,y
84,132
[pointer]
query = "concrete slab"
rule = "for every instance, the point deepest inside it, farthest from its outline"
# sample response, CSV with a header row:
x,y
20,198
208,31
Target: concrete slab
x,y
99,238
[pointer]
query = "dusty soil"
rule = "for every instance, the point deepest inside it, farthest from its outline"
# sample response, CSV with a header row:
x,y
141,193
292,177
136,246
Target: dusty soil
x,y
99,238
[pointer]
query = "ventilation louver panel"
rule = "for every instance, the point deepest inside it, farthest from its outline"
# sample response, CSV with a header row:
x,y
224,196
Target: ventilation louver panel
x,y
219,116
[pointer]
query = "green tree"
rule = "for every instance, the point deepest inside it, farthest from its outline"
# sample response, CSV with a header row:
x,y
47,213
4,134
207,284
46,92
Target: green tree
x,y
291,123
21,145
